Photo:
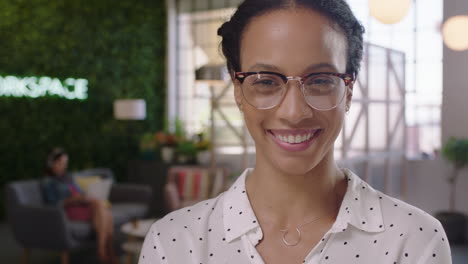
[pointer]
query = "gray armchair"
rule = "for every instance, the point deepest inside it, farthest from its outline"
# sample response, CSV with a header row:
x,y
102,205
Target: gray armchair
x,y
37,225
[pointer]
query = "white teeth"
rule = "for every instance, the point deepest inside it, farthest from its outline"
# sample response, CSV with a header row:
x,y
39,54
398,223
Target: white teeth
x,y
298,139
291,139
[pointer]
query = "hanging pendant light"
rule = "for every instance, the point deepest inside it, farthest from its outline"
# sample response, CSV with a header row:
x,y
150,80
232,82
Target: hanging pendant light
x,y
389,11
455,33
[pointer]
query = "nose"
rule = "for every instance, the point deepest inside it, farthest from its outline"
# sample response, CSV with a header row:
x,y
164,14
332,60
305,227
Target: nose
x,y
293,109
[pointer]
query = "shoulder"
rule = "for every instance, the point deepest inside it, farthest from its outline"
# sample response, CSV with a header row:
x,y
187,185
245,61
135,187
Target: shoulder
x,y
187,233
407,220
393,229
192,234
409,234
398,211
396,215
192,221
418,235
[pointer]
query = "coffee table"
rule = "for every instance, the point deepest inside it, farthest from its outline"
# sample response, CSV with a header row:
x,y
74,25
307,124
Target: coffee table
x,y
136,231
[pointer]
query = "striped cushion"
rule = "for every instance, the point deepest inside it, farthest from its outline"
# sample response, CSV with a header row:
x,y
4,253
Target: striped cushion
x,y
199,184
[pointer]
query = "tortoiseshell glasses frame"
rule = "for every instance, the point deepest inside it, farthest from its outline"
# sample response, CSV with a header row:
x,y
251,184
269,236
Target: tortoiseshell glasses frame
x,y
324,92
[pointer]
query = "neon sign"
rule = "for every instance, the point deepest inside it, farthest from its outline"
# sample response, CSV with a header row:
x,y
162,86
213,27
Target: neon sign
x,y
34,87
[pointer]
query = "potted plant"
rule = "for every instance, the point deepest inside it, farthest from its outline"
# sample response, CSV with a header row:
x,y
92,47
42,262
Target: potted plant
x,y
179,128
186,151
203,147
454,223
148,146
167,143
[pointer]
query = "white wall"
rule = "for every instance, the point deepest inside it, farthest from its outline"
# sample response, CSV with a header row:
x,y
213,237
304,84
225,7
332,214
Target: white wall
x,y
455,83
427,187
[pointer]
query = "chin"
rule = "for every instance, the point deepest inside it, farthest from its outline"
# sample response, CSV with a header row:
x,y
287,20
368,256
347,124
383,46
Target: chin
x,y
294,165
297,163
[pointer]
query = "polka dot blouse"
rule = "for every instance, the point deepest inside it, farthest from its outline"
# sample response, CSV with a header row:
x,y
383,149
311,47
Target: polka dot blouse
x,y
371,227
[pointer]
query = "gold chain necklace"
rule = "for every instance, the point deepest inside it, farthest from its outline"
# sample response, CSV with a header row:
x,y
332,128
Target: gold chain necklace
x,y
286,231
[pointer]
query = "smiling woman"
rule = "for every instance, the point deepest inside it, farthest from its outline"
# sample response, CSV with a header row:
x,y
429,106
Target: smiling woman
x,y
293,64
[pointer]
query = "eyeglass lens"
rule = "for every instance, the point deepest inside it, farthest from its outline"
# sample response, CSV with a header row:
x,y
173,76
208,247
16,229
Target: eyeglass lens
x,y
322,92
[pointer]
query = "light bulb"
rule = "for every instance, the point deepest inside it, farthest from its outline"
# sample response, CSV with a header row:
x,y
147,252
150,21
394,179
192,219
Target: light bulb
x,y
455,33
389,11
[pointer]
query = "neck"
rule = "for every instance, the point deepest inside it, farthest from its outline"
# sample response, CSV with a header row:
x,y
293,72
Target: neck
x,y
284,200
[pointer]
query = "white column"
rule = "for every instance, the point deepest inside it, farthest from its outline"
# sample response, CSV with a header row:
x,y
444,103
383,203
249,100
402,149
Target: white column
x,y
171,63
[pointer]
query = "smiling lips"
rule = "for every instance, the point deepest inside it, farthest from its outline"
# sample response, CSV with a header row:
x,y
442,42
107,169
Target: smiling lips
x,y
294,136
294,140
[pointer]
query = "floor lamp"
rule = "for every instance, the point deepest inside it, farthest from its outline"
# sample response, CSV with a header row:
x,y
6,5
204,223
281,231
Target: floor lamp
x,y
129,109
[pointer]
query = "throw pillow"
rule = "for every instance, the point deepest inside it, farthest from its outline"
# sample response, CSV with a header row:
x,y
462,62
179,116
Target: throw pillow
x,y
95,187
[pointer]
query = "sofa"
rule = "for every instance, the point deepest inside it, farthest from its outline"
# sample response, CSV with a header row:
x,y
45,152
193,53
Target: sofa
x,y
36,225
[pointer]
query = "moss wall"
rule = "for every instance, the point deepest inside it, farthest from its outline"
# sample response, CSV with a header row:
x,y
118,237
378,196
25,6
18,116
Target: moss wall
x,y
118,46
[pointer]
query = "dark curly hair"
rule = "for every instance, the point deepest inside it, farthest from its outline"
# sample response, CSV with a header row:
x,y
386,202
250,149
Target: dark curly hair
x,y
337,11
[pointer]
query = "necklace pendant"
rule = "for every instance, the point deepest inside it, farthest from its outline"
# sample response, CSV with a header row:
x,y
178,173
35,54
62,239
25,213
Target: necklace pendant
x,y
291,244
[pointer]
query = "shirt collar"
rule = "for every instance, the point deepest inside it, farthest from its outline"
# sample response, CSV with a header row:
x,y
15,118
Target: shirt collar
x,y
360,208
239,217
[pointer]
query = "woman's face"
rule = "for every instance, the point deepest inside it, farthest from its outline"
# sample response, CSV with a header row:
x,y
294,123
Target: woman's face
x,y
292,42
59,167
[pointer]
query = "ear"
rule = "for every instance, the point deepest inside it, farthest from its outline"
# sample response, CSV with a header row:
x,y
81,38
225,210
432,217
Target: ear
x,y
237,92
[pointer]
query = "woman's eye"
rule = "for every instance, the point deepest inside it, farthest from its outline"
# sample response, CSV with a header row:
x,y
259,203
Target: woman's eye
x,y
321,81
267,82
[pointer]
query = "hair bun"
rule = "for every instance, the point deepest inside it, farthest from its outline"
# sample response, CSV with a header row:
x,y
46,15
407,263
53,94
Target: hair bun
x,y
223,29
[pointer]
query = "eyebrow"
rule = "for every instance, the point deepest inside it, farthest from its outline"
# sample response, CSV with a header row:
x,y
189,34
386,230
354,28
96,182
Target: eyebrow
x,y
310,68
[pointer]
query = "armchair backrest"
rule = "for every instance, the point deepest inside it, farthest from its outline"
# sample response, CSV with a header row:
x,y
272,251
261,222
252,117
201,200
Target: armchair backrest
x,y
21,194
26,192
34,224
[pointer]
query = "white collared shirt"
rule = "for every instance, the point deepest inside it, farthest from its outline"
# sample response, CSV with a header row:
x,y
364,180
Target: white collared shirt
x,y
370,228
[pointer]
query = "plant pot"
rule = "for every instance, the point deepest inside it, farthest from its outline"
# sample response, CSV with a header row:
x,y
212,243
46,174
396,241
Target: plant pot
x,y
182,159
167,154
454,224
148,155
204,157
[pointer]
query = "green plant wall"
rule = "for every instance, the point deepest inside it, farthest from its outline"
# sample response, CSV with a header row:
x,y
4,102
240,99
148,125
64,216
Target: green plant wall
x,y
118,46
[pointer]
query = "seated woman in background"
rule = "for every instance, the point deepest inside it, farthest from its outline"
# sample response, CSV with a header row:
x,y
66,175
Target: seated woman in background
x,y
60,189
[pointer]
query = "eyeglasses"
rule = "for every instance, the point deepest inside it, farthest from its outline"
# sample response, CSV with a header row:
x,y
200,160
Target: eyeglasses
x,y
322,90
